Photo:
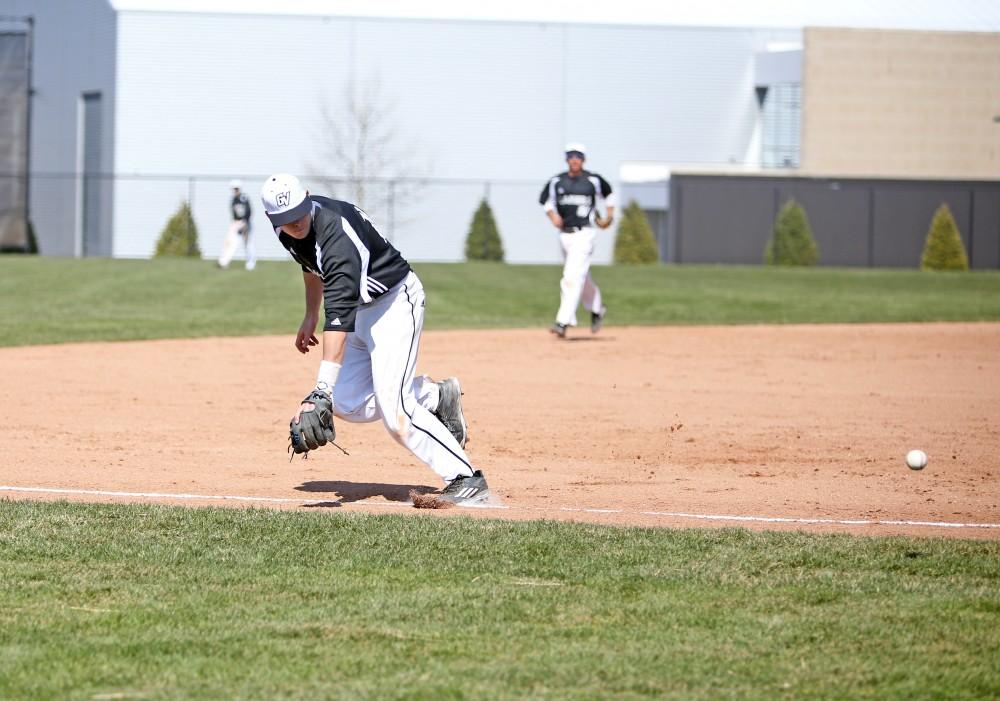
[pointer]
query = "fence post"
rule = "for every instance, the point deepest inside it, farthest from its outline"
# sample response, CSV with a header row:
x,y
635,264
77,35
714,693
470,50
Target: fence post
x,y
871,225
27,134
190,218
972,223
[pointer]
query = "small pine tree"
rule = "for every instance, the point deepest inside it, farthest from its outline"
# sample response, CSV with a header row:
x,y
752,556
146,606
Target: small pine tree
x,y
634,242
943,249
180,236
792,241
483,241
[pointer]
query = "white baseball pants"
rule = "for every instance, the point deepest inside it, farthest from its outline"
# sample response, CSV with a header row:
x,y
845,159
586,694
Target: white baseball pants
x,y
376,379
577,286
238,229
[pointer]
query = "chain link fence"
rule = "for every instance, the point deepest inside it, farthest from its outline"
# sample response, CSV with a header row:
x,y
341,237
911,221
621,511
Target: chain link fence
x,y
122,215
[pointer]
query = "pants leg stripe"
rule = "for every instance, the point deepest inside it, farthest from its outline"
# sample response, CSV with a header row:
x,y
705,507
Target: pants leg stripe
x,y
412,361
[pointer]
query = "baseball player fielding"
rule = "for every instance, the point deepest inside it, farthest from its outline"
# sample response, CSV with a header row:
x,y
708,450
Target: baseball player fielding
x,y
373,304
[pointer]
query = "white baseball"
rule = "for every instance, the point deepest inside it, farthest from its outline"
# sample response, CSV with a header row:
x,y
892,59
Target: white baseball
x,y
916,459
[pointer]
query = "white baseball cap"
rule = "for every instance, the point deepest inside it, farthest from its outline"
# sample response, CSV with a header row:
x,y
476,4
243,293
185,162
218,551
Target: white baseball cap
x,y
576,146
284,198
235,184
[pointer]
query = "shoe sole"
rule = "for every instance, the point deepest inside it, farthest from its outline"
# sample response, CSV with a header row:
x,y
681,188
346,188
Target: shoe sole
x,y
461,414
480,501
476,500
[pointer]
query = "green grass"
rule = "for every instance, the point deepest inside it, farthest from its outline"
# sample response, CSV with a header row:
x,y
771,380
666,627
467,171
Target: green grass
x,y
112,601
150,602
52,300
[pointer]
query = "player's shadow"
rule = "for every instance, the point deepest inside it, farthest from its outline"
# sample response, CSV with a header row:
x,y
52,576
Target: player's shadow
x,y
589,339
359,491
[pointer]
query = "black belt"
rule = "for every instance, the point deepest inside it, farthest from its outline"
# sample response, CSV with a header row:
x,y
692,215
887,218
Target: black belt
x,y
572,229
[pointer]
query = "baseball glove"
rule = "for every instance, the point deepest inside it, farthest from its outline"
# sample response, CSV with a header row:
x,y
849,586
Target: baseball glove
x,y
315,426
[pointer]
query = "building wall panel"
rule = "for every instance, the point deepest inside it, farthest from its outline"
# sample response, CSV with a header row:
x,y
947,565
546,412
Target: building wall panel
x,y
839,215
985,249
476,107
856,221
73,53
901,103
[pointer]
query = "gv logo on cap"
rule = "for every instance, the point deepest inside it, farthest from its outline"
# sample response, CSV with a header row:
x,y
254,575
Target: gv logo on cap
x,y
282,198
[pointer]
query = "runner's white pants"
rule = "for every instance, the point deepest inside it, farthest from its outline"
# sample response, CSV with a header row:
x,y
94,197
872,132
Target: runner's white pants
x,y
376,379
237,230
577,286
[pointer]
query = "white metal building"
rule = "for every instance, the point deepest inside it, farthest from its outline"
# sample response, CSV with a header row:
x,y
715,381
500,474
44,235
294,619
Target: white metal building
x,y
164,106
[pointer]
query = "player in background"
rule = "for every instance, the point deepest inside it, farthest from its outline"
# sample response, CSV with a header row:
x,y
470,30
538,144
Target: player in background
x,y
239,228
571,201
374,311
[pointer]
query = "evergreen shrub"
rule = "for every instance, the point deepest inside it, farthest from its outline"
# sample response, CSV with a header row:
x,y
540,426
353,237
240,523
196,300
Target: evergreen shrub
x,y
483,241
634,241
792,241
943,249
180,236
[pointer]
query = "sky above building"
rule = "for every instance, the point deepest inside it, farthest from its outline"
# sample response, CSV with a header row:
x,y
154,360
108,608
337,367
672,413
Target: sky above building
x,y
950,15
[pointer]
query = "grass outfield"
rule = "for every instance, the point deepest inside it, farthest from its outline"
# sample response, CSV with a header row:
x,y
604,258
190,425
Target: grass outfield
x,y
113,601
52,300
109,602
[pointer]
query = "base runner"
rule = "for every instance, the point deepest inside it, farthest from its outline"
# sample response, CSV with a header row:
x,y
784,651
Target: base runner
x,y
374,308
571,201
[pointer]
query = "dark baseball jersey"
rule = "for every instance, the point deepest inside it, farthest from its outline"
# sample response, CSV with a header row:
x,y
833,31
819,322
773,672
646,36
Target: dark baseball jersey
x,y
241,207
575,198
356,262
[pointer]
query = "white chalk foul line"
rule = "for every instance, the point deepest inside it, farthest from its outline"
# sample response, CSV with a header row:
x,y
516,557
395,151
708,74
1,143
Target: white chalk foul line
x,y
831,521
173,495
667,514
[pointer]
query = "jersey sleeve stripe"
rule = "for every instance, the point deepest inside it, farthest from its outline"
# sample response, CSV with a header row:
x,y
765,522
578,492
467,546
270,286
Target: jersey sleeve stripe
x,y
550,204
598,195
319,259
365,256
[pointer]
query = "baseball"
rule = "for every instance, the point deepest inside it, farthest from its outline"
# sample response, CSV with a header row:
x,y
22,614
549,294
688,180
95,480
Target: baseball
x,y
916,459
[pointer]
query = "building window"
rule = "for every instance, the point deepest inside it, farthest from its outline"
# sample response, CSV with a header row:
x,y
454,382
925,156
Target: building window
x,y
781,116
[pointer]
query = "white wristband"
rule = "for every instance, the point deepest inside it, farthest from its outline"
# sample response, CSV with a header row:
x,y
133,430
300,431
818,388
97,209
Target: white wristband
x,y
327,376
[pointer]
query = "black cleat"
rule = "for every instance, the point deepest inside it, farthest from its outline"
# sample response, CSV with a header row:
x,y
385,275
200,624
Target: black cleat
x,y
449,410
559,329
597,320
467,490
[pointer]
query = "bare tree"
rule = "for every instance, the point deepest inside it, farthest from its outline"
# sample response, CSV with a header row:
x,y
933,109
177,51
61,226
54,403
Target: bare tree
x,y
365,159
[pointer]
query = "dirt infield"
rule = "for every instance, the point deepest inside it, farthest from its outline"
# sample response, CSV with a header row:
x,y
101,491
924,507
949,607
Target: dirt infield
x,y
673,426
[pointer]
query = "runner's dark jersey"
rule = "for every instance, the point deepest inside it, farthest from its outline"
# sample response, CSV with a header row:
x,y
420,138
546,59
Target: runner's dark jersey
x,y
575,199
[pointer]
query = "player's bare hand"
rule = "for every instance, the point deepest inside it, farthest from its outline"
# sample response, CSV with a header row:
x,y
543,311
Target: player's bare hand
x,y
303,342
604,222
306,337
557,221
